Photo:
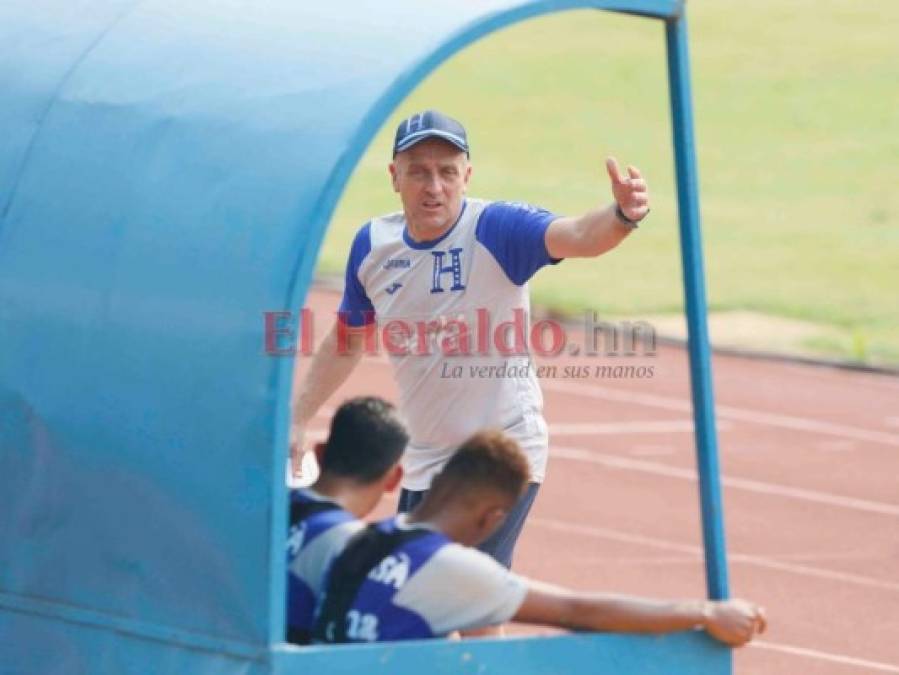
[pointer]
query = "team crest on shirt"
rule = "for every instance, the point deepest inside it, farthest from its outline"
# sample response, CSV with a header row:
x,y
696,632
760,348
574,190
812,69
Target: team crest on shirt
x,y
392,570
452,268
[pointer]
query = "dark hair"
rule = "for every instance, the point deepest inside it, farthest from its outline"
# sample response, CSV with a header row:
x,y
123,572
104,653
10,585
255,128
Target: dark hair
x,y
366,439
487,460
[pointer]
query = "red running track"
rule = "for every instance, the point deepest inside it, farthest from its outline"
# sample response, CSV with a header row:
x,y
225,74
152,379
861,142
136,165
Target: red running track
x,y
810,468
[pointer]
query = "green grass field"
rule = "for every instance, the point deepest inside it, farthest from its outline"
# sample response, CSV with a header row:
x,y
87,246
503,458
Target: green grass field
x,y
797,119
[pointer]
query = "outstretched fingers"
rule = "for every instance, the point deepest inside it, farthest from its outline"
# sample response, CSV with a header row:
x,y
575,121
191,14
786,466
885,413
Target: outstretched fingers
x,y
614,171
630,190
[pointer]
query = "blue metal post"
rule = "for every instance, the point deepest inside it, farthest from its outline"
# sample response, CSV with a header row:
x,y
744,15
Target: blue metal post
x,y
694,292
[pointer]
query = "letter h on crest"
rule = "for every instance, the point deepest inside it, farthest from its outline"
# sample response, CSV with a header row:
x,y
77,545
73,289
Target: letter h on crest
x,y
455,267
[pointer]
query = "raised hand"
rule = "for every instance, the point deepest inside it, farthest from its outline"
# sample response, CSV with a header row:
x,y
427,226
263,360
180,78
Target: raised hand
x,y
630,191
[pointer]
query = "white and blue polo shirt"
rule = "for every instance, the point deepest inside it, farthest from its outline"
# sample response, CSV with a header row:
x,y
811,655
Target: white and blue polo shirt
x,y
319,529
400,581
440,307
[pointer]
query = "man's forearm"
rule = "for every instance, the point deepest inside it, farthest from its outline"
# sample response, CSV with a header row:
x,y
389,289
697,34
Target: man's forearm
x,y
586,236
328,369
733,622
635,615
601,230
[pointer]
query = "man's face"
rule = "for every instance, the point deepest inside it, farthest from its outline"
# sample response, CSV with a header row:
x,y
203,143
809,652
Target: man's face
x,y
431,178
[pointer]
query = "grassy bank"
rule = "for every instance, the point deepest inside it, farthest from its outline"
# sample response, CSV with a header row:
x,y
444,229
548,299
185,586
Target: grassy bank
x,y
797,115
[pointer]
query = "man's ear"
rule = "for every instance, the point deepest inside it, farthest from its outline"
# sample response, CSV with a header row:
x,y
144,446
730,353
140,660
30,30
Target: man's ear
x,y
319,450
467,175
394,476
491,519
392,169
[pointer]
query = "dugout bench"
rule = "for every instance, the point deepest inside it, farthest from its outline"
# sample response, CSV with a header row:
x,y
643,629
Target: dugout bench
x,y
167,173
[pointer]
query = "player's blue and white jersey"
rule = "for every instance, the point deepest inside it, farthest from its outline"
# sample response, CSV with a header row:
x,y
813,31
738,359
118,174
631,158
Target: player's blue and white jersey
x,y
319,529
440,309
426,587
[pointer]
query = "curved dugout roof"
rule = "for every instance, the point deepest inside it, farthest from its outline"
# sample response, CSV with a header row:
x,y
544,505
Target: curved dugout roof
x,y
167,171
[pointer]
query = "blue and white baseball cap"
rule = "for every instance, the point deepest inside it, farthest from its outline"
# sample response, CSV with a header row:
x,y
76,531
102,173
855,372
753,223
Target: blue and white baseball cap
x,y
429,124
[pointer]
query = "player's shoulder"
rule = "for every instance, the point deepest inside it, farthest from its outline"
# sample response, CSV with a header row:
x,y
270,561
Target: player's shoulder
x,y
505,207
502,219
346,528
393,218
476,204
332,528
386,228
465,560
474,574
374,235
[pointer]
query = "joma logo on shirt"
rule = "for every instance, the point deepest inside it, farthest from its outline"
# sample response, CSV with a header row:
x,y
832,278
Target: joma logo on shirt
x,y
392,571
397,263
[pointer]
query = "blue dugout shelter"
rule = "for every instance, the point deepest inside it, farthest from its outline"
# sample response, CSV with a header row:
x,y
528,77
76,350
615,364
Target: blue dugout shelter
x,y
167,172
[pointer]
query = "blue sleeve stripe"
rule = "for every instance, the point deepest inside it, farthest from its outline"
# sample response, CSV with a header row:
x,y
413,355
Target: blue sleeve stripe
x,y
356,308
361,248
515,234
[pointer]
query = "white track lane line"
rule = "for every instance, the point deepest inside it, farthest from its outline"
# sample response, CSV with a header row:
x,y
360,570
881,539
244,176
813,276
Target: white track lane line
x,y
742,414
782,421
825,656
659,469
725,412
876,380
752,560
632,427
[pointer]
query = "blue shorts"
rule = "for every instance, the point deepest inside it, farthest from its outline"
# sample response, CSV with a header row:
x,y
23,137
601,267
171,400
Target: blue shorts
x,y
501,544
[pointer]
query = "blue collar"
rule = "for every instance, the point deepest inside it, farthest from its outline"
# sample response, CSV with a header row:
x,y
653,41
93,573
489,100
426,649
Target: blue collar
x,y
431,243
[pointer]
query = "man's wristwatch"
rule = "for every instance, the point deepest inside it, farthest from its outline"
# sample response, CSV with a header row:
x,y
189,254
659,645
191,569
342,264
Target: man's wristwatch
x,y
633,224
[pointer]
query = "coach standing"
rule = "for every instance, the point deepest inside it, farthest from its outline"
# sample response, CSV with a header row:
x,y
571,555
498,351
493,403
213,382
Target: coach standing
x,y
447,262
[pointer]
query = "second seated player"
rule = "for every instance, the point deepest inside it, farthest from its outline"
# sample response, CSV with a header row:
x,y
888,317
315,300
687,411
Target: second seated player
x,y
414,577
444,261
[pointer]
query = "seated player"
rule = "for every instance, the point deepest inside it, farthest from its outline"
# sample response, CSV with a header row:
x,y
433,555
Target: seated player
x,y
359,462
414,576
